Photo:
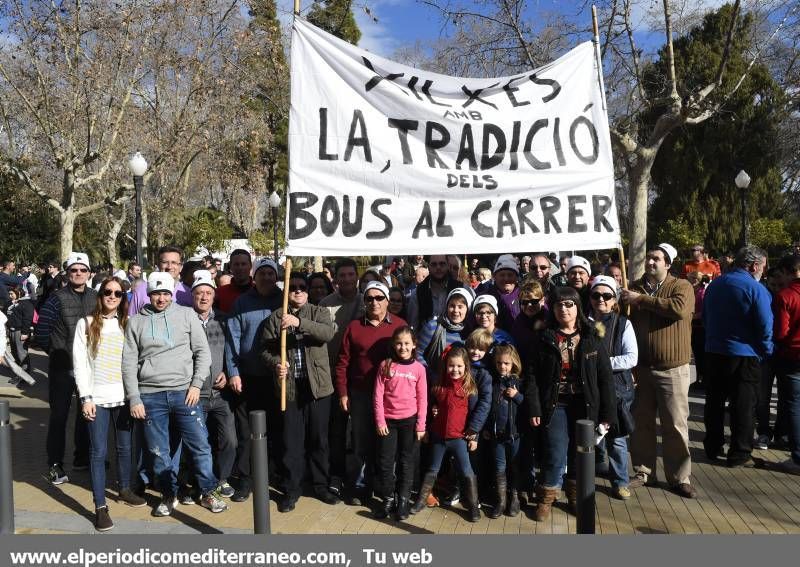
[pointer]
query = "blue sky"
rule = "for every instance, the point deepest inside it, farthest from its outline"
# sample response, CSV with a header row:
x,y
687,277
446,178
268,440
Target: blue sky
x,y
404,22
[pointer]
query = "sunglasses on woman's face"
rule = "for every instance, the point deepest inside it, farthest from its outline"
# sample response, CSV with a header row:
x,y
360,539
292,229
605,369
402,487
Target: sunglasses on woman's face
x,y
566,304
115,292
301,288
527,302
606,296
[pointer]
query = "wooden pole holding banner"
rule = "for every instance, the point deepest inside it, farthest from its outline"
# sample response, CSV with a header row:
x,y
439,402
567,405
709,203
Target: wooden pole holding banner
x,y
296,7
287,270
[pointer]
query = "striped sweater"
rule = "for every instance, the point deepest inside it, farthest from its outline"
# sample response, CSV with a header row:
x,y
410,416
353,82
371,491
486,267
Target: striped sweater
x,y
100,377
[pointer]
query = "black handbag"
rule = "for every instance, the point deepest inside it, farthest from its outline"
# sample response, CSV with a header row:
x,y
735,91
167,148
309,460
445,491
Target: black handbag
x,y
625,424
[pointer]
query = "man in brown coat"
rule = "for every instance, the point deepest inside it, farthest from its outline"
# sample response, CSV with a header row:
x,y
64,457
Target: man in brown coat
x,y
661,314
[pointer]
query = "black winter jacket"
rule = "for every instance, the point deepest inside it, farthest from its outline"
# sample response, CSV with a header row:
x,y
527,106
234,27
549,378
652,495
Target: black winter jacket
x,y
543,373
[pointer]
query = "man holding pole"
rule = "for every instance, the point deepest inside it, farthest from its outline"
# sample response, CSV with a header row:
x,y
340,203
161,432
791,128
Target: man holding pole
x,y
308,389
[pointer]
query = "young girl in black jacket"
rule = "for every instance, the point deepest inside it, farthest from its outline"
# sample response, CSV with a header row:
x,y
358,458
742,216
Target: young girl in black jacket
x,y
501,429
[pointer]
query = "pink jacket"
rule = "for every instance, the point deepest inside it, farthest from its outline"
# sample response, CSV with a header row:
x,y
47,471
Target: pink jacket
x,y
402,394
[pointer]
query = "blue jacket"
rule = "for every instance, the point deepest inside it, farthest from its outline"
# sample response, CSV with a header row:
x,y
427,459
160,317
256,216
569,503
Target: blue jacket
x,y
479,405
737,316
245,327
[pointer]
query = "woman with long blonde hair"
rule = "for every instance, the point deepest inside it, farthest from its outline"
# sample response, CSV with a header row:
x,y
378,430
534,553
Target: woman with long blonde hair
x,y
97,357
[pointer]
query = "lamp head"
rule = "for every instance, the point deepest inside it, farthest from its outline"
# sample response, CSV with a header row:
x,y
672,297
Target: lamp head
x,y
137,164
742,179
274,200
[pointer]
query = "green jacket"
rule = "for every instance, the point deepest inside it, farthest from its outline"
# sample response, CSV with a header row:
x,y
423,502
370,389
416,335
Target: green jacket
x,y
317,329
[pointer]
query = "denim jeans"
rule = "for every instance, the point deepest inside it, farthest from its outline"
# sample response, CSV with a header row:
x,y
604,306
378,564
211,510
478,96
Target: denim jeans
x,y
505,453
162,409
617,448
120,419
458,447
558,442
789,382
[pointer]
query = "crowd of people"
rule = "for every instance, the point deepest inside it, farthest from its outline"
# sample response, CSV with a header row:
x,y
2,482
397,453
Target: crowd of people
x,y
419,382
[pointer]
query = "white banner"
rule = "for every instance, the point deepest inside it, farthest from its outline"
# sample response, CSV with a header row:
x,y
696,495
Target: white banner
x,y
383,156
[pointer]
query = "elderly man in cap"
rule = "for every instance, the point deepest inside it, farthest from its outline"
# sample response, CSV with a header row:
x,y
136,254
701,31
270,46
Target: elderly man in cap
x,y
249,379
504,287
165,362
55,333
578,273
661,313
215,404
365,344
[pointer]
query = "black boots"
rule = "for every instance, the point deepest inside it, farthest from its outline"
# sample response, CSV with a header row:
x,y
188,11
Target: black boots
x,y
401,513
501,487
387,504
513,503
471,485
424,492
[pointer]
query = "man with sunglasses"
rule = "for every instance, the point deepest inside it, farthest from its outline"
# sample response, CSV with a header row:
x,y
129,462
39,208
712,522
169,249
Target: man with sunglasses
x,y
540,271
308,390
365,344
55,333
700,262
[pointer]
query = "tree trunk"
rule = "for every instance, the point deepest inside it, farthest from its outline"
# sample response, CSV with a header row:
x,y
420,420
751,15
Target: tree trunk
x,y
115,226
639,179
66,223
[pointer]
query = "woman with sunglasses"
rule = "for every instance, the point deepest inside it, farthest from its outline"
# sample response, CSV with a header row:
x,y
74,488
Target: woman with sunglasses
x,y
532,316
97,358
568,378
620,342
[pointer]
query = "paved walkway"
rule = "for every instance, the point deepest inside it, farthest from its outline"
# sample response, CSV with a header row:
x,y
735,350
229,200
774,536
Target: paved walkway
x,y
729,501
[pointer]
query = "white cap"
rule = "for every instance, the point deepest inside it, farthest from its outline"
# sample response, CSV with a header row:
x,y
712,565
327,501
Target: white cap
x,y
77,258
579,262
265,263
379,286
121,274
669,251
160,281
489,300
506,262
466,293
607,281
203,277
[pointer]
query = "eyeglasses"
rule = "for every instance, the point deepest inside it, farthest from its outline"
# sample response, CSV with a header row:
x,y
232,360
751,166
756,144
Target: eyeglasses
x,y
526,302
374,299
606,296
484,313
697,249
566,304
543,268
79,270
115,292
300,288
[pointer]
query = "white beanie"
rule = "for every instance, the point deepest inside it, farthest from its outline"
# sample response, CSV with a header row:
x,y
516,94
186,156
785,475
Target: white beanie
x,y
506,262
466,293
77,258
379,286
669,251
607,281
203,277
489,300
579,262
160,281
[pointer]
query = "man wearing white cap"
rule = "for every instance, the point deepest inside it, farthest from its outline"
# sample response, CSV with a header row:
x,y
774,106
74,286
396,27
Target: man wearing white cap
x,y
55,333
365,344
165,362
217,409
248,378
578,273
661,313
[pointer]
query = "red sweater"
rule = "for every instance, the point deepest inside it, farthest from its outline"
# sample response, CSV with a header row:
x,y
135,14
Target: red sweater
x,y
452,405
786,308
364,347
227,295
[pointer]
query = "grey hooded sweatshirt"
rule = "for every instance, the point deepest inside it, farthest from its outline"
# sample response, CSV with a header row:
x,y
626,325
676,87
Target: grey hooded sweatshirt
x,y
164,351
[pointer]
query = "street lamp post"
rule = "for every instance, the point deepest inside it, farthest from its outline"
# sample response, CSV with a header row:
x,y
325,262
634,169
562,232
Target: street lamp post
x,y
743,182
274,205
138,166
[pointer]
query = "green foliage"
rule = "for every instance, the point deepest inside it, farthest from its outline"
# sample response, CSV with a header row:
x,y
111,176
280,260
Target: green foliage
x,y
200,227
261,242
29,227
695,168
336,17
680,233
770,234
